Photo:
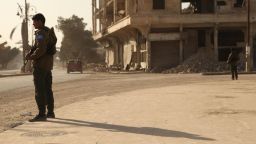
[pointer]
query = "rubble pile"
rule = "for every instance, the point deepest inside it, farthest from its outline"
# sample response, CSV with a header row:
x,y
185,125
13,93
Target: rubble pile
x,y
203,61
97,67
241,63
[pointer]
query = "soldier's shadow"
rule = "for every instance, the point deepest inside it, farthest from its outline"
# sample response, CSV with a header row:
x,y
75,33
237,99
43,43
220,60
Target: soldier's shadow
x,y
130,129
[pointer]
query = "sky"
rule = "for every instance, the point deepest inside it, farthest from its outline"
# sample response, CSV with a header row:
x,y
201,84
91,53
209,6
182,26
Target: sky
x,y
52,9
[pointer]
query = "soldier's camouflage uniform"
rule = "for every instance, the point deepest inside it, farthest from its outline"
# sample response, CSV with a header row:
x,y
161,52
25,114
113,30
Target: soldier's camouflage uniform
x,y
42,66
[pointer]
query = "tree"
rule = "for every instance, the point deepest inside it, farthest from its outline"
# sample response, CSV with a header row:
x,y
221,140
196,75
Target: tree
x,y
7,54
77,42
23,14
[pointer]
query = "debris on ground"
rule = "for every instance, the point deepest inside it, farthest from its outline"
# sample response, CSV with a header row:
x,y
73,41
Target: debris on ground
x,y
103,67
204,61
97,67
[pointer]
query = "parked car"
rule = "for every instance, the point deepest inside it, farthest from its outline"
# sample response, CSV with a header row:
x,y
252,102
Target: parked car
x,y
75,65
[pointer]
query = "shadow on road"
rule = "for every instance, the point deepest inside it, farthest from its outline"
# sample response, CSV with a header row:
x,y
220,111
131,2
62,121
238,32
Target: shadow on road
x,y
129,129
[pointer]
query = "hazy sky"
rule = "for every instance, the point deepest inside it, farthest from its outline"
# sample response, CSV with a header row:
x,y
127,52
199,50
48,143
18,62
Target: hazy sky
x,y
52,9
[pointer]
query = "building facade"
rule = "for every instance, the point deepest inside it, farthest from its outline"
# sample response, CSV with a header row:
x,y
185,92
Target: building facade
x,y
147,34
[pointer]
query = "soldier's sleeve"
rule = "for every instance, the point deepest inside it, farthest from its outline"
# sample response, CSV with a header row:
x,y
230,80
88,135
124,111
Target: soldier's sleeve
x,y
41,45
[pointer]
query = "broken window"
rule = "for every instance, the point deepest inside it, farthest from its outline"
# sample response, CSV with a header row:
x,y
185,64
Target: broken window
x,y
120,13
110,14
158,4
187,7
197,6
239,3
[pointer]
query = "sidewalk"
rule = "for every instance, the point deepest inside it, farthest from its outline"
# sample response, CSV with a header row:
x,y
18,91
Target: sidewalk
x,y
205,113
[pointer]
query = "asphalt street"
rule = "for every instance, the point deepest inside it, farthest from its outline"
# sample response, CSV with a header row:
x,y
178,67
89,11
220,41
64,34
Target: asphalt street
x,y
59,75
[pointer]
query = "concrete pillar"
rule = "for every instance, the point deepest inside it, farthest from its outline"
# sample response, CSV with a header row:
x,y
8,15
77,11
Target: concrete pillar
x,y
127,9
121,50
216,42
249,44
215,7
114,10
208,39
100,25
116,51
148,60
145,30
249,52
138,48
181,45
104,20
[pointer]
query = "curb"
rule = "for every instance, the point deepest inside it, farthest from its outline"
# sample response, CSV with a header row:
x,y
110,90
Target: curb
x,y
126,72
226,73
13,75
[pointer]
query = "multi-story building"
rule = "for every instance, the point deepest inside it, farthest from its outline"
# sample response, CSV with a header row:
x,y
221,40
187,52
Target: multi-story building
x,y
163,33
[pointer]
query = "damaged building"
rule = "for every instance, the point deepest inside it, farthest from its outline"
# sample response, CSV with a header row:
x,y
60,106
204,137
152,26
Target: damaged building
x,y
148,34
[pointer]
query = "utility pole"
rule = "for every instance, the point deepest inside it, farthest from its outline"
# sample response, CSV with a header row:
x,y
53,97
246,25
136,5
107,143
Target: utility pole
x,y
94,10
248,44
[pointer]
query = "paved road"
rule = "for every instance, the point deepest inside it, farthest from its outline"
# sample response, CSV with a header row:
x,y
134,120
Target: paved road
x,y
59,75
148,109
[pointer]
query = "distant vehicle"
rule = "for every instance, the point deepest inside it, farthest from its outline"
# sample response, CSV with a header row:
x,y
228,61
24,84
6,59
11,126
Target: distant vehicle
x,y
75,65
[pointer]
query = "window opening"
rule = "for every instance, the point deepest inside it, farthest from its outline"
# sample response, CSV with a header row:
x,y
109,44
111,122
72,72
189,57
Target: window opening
x,y
239,3
158,4
221,3
197,6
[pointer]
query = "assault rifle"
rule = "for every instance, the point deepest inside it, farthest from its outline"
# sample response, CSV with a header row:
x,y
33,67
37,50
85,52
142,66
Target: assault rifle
x,y
23,68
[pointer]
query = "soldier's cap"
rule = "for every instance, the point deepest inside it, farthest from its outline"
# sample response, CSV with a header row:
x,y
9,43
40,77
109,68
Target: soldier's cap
x,y
39,17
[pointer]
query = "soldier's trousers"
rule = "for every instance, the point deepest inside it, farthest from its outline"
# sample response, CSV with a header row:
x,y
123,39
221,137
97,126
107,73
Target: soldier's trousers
x,y
234,72
43,90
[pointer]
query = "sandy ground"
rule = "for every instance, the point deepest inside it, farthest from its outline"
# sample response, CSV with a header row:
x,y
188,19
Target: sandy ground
x,y
142,108
17,106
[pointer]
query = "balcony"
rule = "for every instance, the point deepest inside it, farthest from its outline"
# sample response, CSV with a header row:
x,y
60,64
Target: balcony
x,y
200,19
113,28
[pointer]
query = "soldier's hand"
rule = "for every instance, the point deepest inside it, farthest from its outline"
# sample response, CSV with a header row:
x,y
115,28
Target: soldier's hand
x,y
28,57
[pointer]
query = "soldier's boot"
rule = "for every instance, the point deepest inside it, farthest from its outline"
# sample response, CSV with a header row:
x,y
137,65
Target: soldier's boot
x,y
38,118
41,116
50,115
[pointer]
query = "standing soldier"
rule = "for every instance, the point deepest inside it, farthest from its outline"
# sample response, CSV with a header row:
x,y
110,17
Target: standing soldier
x,y
42,65
233,59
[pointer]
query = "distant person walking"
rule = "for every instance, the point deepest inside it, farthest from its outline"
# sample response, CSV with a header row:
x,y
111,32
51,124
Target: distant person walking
x,y
42,66
233,59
